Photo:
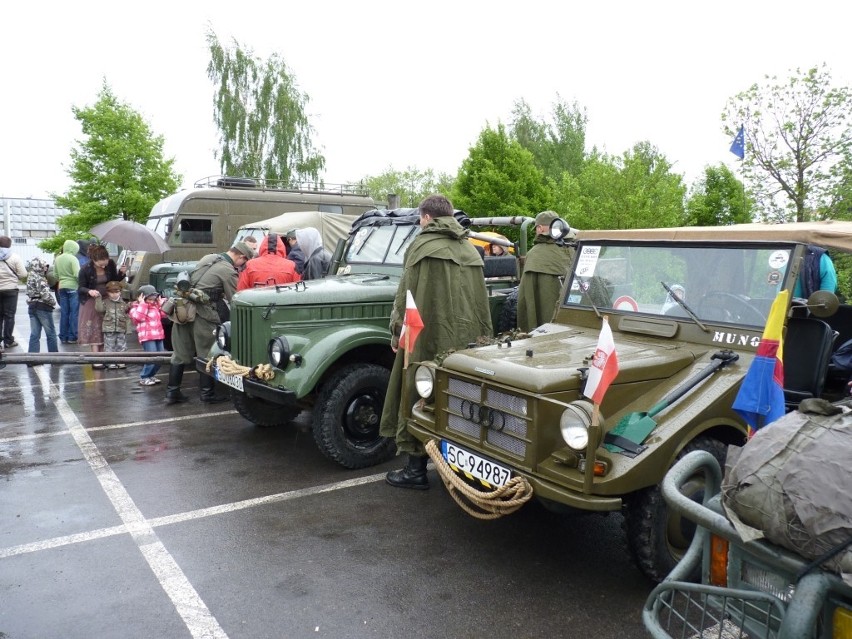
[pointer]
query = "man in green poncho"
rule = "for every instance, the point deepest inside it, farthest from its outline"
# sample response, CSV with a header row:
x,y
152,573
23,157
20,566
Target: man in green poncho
x,y
546,264
444,273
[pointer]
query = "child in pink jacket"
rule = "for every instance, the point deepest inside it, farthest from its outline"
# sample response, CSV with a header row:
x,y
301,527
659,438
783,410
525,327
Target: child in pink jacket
x,y
147,314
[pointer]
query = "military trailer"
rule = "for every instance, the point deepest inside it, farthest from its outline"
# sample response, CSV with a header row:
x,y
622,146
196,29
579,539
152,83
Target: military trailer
x,y
509,422
205,219
746,587
327,342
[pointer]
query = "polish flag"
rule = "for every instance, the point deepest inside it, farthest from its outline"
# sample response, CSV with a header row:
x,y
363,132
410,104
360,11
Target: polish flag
x,y
411,325
604,366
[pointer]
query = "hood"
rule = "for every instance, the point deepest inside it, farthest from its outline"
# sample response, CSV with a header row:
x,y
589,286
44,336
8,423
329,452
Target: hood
x,y
309,240
345,289
263,248
557,357
70,247
38,265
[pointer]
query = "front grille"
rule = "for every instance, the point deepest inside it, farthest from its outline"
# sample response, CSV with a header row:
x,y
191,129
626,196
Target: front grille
x,y
488,415
241,332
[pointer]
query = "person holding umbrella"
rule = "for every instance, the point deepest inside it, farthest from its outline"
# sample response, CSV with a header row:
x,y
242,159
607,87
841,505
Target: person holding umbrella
x,y
91,284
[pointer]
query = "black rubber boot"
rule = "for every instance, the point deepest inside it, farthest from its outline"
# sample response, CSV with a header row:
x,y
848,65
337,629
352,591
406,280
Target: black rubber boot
x,y
412,476
208,391
173,394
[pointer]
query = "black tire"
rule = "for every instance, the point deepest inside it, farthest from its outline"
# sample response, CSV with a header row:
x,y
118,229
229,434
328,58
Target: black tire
x,y
509,313
656,538
347,415
262,413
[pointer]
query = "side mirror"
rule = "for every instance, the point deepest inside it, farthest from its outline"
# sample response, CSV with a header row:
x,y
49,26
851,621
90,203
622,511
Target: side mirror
x,y
559,229
823,303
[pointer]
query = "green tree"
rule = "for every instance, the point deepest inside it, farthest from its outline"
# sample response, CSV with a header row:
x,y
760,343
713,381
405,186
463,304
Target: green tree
x,y
411,185
260,112
797,135
718,199
635,190
558,146
499,178
117,170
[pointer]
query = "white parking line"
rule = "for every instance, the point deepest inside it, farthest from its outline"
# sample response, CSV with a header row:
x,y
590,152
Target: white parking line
x,y
95,429
198,619
190,515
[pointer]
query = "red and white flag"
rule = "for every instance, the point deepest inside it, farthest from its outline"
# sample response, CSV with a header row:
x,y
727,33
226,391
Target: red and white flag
x,y
411,325
604,366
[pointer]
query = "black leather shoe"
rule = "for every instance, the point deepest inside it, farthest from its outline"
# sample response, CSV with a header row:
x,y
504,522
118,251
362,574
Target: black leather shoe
x,y
213,398
413,475
174,396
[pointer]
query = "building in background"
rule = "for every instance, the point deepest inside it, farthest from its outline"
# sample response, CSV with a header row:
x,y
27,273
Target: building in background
x,y
28,222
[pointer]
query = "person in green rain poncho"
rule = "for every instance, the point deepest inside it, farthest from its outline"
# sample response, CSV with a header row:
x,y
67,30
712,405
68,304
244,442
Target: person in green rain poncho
x,y
444,273
546,266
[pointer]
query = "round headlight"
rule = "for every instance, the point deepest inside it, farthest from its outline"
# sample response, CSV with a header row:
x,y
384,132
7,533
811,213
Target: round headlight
x,y
279,352
574,425
223,336
424,381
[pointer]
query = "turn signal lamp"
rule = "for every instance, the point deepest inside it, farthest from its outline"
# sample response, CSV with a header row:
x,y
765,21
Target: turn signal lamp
x,y
841,627
718,561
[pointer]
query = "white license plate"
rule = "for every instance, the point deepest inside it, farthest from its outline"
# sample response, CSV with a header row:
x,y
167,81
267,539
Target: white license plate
x,y
485,470
234,381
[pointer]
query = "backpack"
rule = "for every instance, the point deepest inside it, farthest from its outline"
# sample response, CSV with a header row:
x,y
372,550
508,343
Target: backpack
x,y
842,358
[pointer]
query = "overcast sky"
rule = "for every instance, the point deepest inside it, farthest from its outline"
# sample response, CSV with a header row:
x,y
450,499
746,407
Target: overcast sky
x,y
403,84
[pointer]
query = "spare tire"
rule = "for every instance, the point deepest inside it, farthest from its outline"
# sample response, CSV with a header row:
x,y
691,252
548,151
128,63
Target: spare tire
x,y
509,313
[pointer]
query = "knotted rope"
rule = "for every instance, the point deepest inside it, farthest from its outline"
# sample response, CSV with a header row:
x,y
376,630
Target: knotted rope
x,y
230,367
503,500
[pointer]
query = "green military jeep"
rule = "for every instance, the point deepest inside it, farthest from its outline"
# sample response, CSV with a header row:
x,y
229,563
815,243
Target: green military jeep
x,y
328,341
687,308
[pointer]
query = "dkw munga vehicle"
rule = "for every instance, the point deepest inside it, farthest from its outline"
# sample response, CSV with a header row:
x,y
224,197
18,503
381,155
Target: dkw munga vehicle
x,y
687,308
326,343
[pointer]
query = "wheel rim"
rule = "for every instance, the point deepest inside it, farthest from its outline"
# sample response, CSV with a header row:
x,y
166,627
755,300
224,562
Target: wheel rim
x,y
679,529
362,416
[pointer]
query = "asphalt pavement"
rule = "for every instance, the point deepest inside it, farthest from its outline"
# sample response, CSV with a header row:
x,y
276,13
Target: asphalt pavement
x,y
123,517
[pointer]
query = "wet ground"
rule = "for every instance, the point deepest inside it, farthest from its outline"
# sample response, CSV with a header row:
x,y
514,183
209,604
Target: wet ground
x,y
122,517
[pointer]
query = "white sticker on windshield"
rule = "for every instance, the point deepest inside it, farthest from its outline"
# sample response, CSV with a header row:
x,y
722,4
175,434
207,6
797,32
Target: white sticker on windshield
x,y
588,261
779,259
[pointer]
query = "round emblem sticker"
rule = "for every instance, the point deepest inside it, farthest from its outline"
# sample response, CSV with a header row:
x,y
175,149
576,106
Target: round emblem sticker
x,y
625,303
778,259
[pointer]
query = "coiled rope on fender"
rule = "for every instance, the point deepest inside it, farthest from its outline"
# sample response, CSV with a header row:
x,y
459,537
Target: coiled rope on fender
x,y
230,367
503,500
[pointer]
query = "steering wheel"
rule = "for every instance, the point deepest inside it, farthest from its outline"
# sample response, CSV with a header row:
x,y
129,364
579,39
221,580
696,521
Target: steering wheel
x,y
729,307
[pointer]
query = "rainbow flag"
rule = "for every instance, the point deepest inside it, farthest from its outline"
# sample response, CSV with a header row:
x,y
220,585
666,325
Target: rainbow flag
x,y
760,399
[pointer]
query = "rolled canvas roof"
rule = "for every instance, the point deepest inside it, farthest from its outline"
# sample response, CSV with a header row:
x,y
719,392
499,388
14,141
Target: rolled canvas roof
x,y
829,234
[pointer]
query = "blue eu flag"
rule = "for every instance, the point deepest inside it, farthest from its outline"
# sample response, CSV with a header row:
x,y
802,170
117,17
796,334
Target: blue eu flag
x,y
738,145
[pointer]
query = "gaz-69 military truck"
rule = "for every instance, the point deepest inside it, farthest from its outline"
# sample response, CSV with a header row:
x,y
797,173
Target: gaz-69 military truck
x,y
328,342
687,308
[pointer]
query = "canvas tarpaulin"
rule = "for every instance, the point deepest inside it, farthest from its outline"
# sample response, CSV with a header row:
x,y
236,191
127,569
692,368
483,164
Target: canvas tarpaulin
x,y
791,483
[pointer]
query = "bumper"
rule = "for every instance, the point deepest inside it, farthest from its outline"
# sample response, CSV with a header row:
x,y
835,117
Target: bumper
x,y
542,488
253,388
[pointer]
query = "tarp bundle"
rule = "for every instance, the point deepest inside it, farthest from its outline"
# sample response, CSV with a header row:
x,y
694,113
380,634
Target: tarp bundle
x,y
791,483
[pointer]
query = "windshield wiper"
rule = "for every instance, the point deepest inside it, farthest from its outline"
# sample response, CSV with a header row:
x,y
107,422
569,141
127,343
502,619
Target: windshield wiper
x,y
683,305
411,232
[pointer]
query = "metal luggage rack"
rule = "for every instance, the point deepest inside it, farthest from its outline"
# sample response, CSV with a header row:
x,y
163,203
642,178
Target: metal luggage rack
x,y
262,184
694,611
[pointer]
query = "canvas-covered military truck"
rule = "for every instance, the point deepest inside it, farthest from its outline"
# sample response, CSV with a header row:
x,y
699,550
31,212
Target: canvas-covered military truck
x,y
510,422
333,227
327,342
202,220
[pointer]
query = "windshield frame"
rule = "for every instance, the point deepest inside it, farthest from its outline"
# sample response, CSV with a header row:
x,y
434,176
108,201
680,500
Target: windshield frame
x,y
718,296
